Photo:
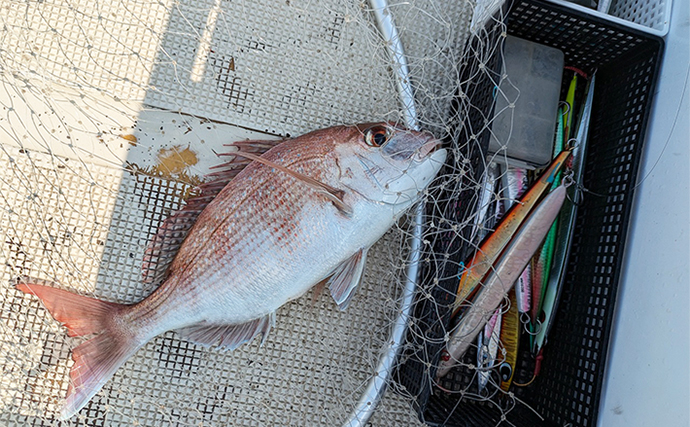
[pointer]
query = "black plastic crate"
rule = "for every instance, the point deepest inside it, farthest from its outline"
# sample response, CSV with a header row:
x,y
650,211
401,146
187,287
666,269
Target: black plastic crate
x,y
568,389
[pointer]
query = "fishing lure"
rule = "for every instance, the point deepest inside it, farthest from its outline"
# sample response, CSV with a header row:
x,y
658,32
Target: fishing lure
x,y
486,218
483,259
516,183
487,348
519,250
566,224
570,100
510,336
541,265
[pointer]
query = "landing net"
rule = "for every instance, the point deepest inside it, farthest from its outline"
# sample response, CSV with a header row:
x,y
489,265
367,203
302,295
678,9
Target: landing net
x,y
112,111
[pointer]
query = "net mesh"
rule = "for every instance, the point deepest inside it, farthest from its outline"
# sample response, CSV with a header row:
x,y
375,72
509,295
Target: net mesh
x,y
111,111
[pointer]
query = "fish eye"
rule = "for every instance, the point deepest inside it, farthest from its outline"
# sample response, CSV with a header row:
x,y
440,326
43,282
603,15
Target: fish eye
x,y
377,136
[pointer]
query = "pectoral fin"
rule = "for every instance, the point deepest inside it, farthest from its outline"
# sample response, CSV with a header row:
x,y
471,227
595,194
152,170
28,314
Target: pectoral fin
x,y
228,336
346,277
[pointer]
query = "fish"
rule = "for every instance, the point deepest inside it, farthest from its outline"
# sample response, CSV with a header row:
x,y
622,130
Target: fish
x,y
306,210
502,277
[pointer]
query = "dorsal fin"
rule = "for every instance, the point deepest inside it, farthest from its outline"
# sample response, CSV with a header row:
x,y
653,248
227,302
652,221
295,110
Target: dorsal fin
x,y
164,246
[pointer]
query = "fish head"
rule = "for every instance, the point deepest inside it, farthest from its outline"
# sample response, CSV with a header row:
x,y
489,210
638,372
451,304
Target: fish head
x,y
389,164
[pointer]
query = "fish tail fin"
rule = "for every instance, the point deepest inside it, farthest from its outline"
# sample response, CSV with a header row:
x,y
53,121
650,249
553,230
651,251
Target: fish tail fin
x,y
95,360
81,315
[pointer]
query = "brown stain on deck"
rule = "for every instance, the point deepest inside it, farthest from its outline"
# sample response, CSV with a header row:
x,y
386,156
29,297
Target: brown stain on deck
x,y
172,164
175,160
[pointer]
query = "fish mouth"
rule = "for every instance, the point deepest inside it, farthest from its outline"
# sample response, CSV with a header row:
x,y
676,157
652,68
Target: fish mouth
x,y
429,148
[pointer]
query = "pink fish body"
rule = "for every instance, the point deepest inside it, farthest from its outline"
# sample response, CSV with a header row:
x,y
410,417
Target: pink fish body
x,y
307,210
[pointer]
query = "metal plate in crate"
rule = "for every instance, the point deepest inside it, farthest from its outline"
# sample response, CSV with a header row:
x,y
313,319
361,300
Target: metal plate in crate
x,y
569,387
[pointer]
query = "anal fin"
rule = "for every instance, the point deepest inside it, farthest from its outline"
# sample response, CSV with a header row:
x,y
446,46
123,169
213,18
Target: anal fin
x,y
346,277
228,336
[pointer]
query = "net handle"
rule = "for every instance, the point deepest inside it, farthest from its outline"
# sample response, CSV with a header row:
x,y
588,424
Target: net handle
x,y
389,33
377,385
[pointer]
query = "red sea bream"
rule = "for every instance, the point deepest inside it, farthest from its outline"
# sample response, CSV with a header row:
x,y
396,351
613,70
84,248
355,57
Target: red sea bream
x,y
306,210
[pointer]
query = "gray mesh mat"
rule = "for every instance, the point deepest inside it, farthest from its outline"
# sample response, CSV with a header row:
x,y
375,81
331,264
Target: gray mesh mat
x,y
92,90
